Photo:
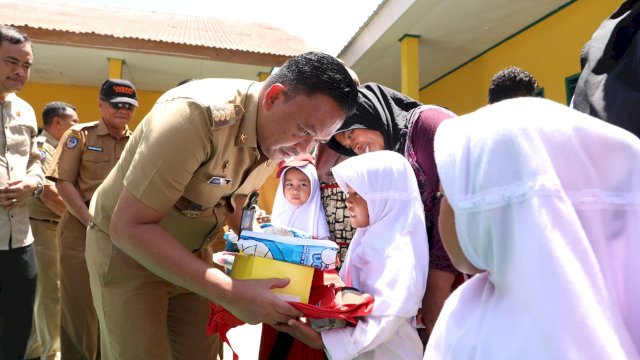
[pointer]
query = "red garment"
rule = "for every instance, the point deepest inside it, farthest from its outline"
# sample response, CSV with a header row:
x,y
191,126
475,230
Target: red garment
x,y
331,302
221,321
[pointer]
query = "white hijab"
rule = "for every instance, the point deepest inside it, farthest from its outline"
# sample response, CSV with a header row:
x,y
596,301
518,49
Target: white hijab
x,y
310,216
547,201
389,259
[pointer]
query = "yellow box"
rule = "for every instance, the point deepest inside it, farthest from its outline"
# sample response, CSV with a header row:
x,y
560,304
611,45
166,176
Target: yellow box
x,y
255,267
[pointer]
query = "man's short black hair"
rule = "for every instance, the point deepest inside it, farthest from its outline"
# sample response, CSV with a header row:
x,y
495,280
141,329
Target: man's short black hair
x,y
53,109
511,82
12,35
316,72
185,81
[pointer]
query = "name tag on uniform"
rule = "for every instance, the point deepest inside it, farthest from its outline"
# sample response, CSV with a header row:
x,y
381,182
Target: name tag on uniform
x,y
95,148
219,181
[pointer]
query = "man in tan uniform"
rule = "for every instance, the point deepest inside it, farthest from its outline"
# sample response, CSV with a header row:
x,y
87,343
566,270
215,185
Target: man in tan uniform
x,y
186,171
44,214
20,177
82,161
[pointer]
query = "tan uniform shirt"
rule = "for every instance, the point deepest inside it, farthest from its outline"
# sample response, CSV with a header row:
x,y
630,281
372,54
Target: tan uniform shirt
x,y
46,145
191,155
19,159
85,156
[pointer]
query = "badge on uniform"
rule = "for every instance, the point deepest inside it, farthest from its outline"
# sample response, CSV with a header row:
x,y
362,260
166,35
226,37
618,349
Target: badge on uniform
x,y
225,115
72,141
95,148
219,181
40,140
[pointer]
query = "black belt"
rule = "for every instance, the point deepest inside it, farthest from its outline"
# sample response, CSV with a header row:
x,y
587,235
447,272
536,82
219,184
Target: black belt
x,y
55,222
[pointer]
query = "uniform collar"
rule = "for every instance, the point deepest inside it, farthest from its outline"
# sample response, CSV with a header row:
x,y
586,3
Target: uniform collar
x,y
103,130
9,99
50,139
247,135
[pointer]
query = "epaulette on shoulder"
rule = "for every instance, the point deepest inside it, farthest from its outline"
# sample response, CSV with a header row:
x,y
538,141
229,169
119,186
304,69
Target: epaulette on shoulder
x,y
224,115
78,127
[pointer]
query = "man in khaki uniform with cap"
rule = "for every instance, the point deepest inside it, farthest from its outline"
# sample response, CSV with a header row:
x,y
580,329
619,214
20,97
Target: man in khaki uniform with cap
x,y
82,161
189,165
44,214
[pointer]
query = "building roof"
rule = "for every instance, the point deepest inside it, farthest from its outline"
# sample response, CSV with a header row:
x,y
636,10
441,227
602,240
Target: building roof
x,y
145,31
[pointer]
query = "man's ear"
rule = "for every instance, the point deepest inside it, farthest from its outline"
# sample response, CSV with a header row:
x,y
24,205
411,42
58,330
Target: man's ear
x,y
56,121
273,93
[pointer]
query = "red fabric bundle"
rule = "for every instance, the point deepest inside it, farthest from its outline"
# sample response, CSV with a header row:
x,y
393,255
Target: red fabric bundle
x,y
326,292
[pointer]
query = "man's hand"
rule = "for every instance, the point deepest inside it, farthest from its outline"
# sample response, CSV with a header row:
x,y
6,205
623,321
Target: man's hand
x,y
73,201
301,330
253,302
16,191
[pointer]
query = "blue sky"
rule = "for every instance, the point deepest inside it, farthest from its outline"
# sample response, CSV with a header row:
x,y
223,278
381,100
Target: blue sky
x,y
325,24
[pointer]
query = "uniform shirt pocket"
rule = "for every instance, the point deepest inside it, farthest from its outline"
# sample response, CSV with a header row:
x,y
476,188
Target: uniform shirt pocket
x,y
205,194
95,165
19,138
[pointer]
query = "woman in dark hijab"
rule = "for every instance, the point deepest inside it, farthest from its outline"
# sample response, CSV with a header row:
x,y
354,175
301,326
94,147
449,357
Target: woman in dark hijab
x,y
388,120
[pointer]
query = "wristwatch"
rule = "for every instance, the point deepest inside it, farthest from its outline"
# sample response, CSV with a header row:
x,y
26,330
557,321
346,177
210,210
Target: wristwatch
x,y
39,189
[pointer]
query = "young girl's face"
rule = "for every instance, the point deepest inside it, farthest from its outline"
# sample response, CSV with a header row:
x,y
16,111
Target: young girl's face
x,y
358,210
297,187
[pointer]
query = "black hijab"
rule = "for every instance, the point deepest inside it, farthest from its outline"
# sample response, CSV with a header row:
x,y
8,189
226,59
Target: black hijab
x,y
382,109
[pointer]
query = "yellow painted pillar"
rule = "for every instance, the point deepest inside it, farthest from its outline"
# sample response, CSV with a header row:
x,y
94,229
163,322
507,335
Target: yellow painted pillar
x,y
410,65
263,75
268,193
115,68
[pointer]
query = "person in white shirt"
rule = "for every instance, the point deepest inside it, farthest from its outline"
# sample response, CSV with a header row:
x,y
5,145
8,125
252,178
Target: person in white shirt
x,y
20,178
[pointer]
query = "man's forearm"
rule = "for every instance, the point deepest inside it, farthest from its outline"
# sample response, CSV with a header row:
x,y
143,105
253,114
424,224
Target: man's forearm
x,y
52,200
135,228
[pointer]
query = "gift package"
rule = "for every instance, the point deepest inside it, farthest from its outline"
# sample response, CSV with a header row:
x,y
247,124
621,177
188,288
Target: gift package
x,y
278,252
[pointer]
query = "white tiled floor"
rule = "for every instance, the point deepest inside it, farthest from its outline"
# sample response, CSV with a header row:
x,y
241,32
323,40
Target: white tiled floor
x,y
245,340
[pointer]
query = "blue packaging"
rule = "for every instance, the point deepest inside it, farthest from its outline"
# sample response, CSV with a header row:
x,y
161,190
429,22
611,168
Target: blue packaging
x,y
231,241
320,254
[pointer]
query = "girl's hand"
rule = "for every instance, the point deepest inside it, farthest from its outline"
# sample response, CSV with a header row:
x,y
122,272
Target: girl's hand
x,y
301,330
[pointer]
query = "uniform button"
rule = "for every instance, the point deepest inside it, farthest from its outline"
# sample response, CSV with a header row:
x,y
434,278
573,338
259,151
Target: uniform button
x,y
225,167
268,163
243,138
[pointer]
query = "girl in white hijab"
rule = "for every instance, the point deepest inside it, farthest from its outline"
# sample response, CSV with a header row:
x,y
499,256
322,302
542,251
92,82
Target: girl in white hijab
x,y
544,203
288,209
387,258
